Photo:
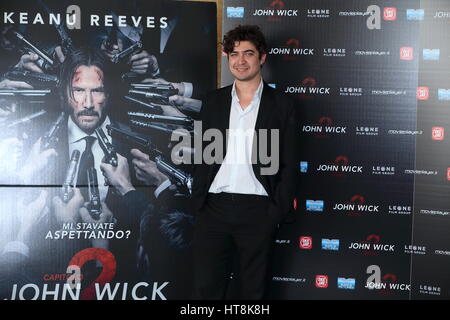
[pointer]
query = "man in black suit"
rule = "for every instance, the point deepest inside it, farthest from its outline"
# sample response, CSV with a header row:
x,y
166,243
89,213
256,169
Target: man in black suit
x,y
239,201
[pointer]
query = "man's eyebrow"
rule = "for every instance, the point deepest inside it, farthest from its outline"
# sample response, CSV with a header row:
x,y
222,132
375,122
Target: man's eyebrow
x,y
248,50
98,88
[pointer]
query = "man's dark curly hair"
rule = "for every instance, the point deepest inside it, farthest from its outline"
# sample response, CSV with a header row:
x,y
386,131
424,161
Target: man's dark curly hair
x,y
250,33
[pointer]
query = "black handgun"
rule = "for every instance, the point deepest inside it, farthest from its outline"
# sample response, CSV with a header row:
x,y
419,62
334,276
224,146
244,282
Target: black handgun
x,y
25,92
36,79
122,55
18,127
154,97
142,103
50,139
166,128
183,121
26,119
111,40
177,176
69,181
166,90
46,61
94,205
108,149
66,42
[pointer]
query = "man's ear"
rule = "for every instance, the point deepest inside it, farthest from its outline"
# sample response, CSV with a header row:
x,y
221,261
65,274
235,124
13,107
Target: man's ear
x,y
263,59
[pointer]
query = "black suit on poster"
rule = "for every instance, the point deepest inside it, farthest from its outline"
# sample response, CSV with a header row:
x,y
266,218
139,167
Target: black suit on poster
x,y
276,111
123,249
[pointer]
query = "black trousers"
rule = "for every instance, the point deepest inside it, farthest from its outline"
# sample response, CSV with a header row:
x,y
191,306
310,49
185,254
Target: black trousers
x,y
232,225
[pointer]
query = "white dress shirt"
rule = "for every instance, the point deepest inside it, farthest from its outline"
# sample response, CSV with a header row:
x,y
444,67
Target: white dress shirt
x,y
236,172
77,142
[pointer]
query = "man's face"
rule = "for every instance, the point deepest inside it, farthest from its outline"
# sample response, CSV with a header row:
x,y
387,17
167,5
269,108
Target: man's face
x,y
89,98
244,61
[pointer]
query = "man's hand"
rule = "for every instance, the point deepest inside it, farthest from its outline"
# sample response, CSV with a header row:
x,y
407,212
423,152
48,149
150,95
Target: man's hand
x,y
171,110
59,54
118,177
176,85
146,170
10,153
36,161
30,215
185,103
105,217
68,212
10,84
29,62
143,62
114,49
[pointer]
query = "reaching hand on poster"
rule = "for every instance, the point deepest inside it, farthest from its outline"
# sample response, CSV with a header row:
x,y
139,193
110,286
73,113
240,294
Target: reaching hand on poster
x,y
111,49
185,103
118,177
29,62
143,62
10,84
105,217
10,153
179,86
30,215
59,54
171,110
146,170
68,212
36,161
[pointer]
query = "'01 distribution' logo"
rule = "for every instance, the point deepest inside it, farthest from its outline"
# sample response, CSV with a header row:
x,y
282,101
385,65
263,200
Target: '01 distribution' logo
x,y
321,281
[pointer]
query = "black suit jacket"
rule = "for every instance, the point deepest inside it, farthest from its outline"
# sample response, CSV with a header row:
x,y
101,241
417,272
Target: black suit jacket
x,y
276,111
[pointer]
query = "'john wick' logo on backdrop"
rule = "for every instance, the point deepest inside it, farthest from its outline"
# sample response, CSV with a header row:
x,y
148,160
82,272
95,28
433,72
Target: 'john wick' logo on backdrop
x,y
356,207
307,89
291,50
324,128
340,167
275,11
385,285
372,246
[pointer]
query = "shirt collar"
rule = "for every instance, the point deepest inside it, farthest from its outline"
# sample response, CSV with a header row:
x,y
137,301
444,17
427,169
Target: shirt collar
x,y
76,134
256,96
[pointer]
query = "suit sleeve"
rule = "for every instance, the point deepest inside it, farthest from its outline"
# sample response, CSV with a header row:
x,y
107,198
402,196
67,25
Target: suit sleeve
x,y
199,168
287,183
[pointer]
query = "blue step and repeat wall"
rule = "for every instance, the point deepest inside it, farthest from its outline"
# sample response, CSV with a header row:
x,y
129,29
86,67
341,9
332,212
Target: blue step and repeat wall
x,y
371,216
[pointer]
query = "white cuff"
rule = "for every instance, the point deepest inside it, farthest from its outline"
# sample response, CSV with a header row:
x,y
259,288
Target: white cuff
x,y
17,246
188,89
163,186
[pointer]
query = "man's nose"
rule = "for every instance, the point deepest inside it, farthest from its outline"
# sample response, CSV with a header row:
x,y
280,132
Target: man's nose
x,y
88,100
241,58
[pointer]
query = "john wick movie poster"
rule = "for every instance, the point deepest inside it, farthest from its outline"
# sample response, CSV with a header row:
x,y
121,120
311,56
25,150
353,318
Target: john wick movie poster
x,y
95,203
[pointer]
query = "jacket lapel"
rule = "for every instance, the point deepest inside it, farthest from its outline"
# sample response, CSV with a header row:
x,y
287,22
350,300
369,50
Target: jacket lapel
x,y
224,116
264,108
